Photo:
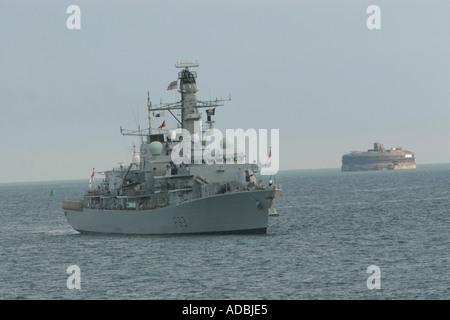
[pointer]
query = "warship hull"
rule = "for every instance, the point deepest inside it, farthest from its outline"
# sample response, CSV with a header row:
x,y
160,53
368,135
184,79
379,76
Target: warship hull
x,y
240,212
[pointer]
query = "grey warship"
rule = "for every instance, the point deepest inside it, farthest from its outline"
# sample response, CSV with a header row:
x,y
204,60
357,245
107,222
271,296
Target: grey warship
x,y
152,195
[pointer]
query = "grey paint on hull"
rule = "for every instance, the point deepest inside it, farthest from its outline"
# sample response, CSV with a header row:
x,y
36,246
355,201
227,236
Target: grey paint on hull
x,y
240,212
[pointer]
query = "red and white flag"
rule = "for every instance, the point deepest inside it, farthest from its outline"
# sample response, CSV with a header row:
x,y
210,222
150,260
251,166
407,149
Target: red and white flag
x,y
173,85
92,179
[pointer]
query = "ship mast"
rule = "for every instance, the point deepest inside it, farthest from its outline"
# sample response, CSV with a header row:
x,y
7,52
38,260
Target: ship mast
x,y
189,104
188,90
149,106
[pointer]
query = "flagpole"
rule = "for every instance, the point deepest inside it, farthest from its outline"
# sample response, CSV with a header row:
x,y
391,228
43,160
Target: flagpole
x,y
149,105
270,154
92,178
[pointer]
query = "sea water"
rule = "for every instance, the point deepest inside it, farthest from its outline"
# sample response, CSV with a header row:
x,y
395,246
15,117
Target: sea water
x,y
331,228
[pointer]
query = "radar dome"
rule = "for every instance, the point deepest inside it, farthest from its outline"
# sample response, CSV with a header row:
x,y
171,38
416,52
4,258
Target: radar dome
x,y
227,143
155,148
136,159
195,138
171,134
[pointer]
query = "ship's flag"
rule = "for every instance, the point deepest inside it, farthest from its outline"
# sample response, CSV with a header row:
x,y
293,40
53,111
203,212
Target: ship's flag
x,y
162,125
173,85
210,112
161,114
92,179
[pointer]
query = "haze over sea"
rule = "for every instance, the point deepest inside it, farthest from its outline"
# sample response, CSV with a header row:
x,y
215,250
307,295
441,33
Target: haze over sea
x,y
332,226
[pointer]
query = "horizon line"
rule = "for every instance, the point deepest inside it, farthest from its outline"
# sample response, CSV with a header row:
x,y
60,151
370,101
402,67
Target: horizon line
x,y
281,170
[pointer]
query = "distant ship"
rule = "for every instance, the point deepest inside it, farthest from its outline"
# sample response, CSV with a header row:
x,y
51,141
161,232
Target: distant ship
x,y
378,158
152,195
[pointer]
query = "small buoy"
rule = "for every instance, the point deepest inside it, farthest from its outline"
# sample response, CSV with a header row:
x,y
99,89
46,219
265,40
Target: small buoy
x,y
52,193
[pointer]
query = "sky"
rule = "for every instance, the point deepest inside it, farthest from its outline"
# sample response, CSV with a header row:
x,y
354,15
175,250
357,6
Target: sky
x,y
312,69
